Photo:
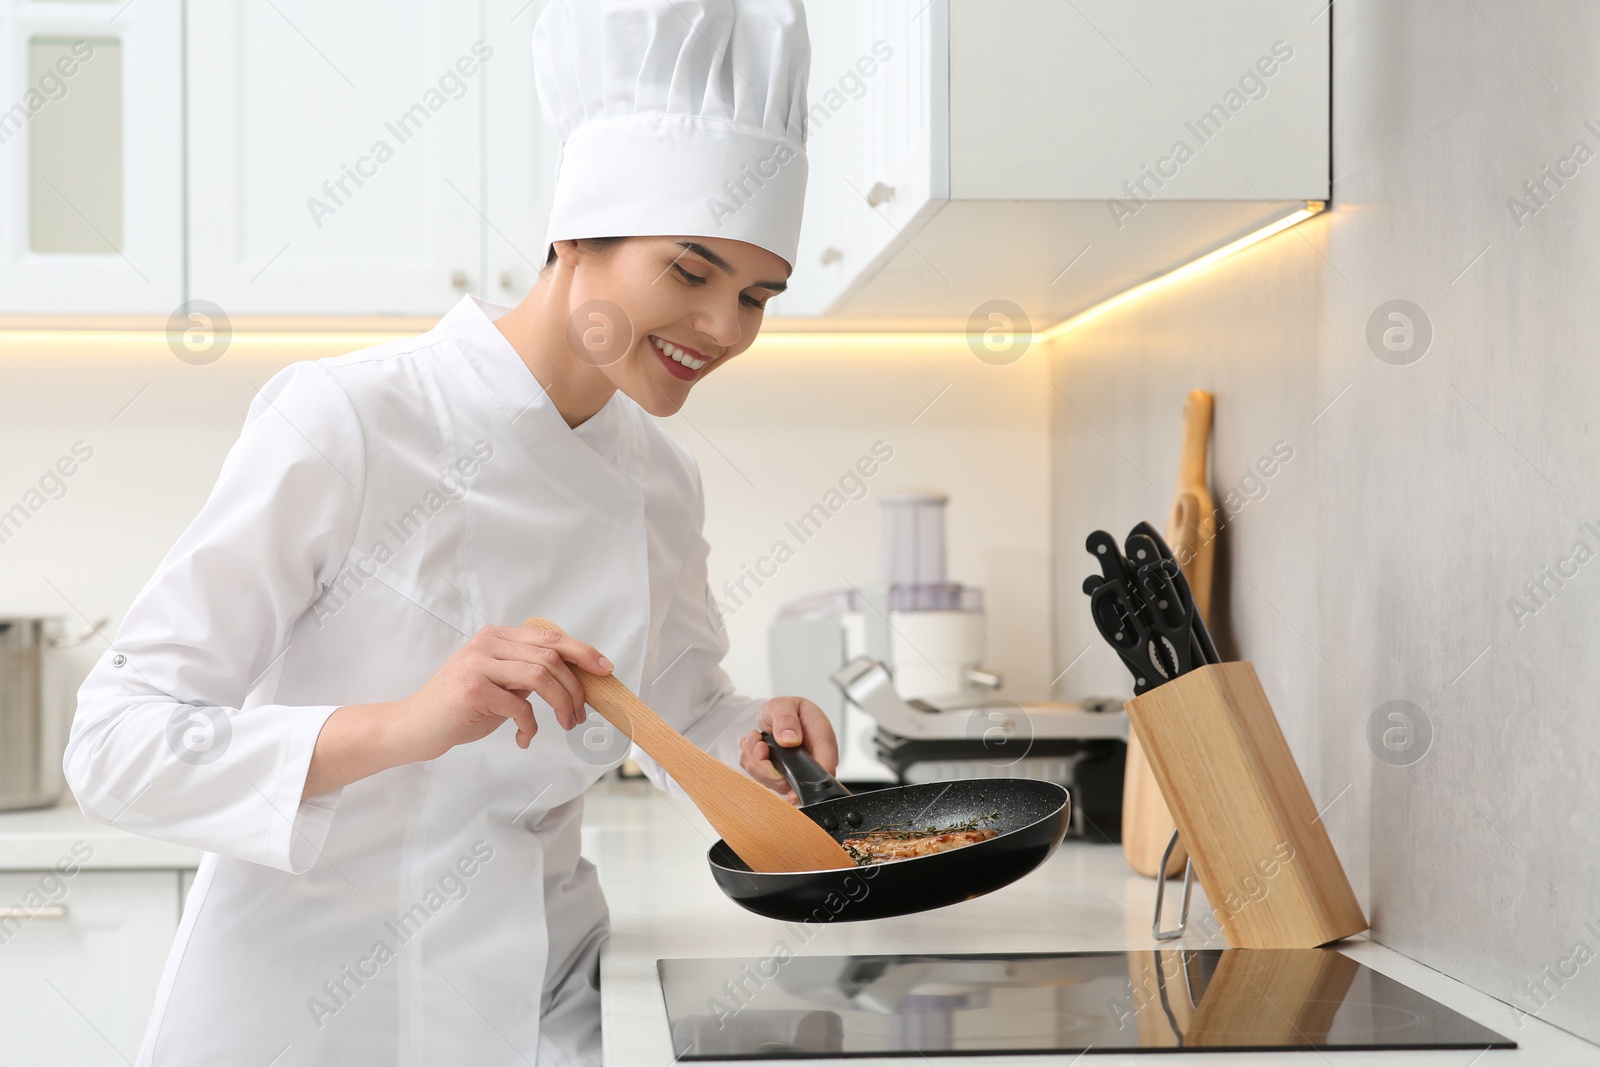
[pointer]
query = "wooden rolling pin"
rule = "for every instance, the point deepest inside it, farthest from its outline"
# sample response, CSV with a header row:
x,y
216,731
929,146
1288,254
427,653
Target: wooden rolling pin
x,y
1191,534
764,829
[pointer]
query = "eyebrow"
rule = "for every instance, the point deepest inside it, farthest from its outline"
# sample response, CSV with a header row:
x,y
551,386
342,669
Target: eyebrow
x,y
723,265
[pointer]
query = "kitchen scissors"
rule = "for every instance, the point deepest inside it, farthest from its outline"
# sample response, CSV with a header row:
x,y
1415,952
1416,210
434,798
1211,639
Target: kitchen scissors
x,y
1143,607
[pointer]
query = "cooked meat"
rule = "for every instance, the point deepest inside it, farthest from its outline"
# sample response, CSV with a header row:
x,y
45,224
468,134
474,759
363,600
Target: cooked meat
x,y
879,846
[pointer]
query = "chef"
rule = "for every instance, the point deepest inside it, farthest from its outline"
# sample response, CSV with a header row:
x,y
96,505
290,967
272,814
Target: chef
x,y
326,685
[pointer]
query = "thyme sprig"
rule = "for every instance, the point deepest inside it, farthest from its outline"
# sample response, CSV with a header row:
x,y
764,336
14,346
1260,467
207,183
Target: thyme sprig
x,y
893,832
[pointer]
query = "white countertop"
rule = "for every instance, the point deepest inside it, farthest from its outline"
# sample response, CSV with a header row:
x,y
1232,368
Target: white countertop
x,y
651,855
37,840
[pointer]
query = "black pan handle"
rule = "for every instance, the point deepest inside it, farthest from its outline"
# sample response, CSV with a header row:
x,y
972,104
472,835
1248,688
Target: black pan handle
x,y
806,777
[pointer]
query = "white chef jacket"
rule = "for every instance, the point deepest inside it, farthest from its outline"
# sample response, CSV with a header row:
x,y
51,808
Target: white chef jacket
x,y
377,509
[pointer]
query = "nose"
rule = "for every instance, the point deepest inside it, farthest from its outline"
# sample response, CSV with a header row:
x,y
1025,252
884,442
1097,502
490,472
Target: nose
x,y
719,321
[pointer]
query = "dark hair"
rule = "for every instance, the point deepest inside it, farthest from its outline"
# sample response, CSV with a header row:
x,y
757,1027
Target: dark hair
x,y
596,244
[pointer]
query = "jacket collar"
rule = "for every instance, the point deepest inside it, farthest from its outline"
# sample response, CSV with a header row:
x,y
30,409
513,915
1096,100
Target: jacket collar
x,y
591,459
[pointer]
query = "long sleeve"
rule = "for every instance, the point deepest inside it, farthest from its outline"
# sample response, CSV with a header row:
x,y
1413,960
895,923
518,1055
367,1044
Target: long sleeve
x,y
684,679
171,738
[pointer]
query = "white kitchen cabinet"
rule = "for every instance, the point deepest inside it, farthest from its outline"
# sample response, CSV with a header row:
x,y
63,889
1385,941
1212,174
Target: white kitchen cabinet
x,y
91,156
334,155
873,124
998,143
519,155
78,978
369,157
372,158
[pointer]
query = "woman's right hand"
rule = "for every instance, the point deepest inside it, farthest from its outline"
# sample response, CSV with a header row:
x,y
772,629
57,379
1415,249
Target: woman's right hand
x,y
485,682
489,680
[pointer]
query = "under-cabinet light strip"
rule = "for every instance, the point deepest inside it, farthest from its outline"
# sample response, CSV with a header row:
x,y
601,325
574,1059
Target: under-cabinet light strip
x,y
1194,266
346,339
343,339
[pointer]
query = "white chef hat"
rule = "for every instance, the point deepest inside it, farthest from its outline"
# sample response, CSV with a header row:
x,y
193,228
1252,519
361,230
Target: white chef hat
x,y
677,117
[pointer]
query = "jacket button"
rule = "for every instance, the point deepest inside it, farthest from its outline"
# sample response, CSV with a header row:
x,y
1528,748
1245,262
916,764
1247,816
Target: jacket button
x,y
118,660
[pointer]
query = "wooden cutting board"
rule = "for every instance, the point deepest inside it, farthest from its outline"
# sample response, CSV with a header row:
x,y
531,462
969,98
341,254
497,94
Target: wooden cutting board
x,y
1191,534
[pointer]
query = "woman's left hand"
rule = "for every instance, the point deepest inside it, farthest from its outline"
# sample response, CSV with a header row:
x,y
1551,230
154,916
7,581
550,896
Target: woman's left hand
x,y
792,721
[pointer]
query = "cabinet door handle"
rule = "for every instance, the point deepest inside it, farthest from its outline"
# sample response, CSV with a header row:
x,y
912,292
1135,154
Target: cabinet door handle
x,y
458,280
47,911
831,255
879,194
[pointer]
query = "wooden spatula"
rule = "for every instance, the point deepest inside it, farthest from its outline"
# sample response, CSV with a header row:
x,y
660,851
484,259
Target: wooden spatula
x,y
1191,534
764,829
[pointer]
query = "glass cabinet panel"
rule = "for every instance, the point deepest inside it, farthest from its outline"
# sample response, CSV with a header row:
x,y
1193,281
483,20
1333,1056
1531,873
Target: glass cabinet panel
x,y
75,145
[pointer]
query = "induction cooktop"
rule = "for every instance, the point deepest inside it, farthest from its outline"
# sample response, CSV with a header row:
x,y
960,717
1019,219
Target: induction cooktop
x,y
784,1006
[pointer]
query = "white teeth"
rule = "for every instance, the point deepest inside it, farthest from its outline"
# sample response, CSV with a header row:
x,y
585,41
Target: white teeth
x,y
679,355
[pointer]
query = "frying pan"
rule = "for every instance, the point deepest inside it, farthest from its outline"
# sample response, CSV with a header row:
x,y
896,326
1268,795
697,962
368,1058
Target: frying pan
x,y
1031,820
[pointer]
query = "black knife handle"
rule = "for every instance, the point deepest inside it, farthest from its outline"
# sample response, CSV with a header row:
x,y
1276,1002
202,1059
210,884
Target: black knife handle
x,y
1150,531
1103,547
1208,649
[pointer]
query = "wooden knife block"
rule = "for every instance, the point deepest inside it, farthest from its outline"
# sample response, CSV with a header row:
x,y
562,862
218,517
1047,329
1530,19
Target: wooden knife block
x,y
1268,868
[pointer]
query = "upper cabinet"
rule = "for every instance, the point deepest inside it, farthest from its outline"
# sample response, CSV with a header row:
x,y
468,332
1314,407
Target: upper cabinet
x,y
364,157
520,151
875,141
374,157
91,156
1044,153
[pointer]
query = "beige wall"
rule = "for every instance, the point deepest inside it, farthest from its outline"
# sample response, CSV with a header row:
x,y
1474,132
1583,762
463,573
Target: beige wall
x,y
1380,563
773,433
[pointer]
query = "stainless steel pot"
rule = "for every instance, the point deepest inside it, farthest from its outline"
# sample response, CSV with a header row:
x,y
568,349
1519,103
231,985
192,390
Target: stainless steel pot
x,y
33,726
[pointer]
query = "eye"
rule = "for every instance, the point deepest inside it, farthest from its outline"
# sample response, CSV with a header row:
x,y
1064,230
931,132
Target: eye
x,y
691,279
750,301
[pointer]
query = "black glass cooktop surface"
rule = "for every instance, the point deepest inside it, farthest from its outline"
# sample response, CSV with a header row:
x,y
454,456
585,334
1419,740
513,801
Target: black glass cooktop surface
x,y
1162,1000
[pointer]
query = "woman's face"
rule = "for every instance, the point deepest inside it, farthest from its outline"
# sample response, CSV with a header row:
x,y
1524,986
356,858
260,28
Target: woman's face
x,y
658,314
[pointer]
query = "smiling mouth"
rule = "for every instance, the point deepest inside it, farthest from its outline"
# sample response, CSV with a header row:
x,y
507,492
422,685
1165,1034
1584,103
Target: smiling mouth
x,y
684,363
